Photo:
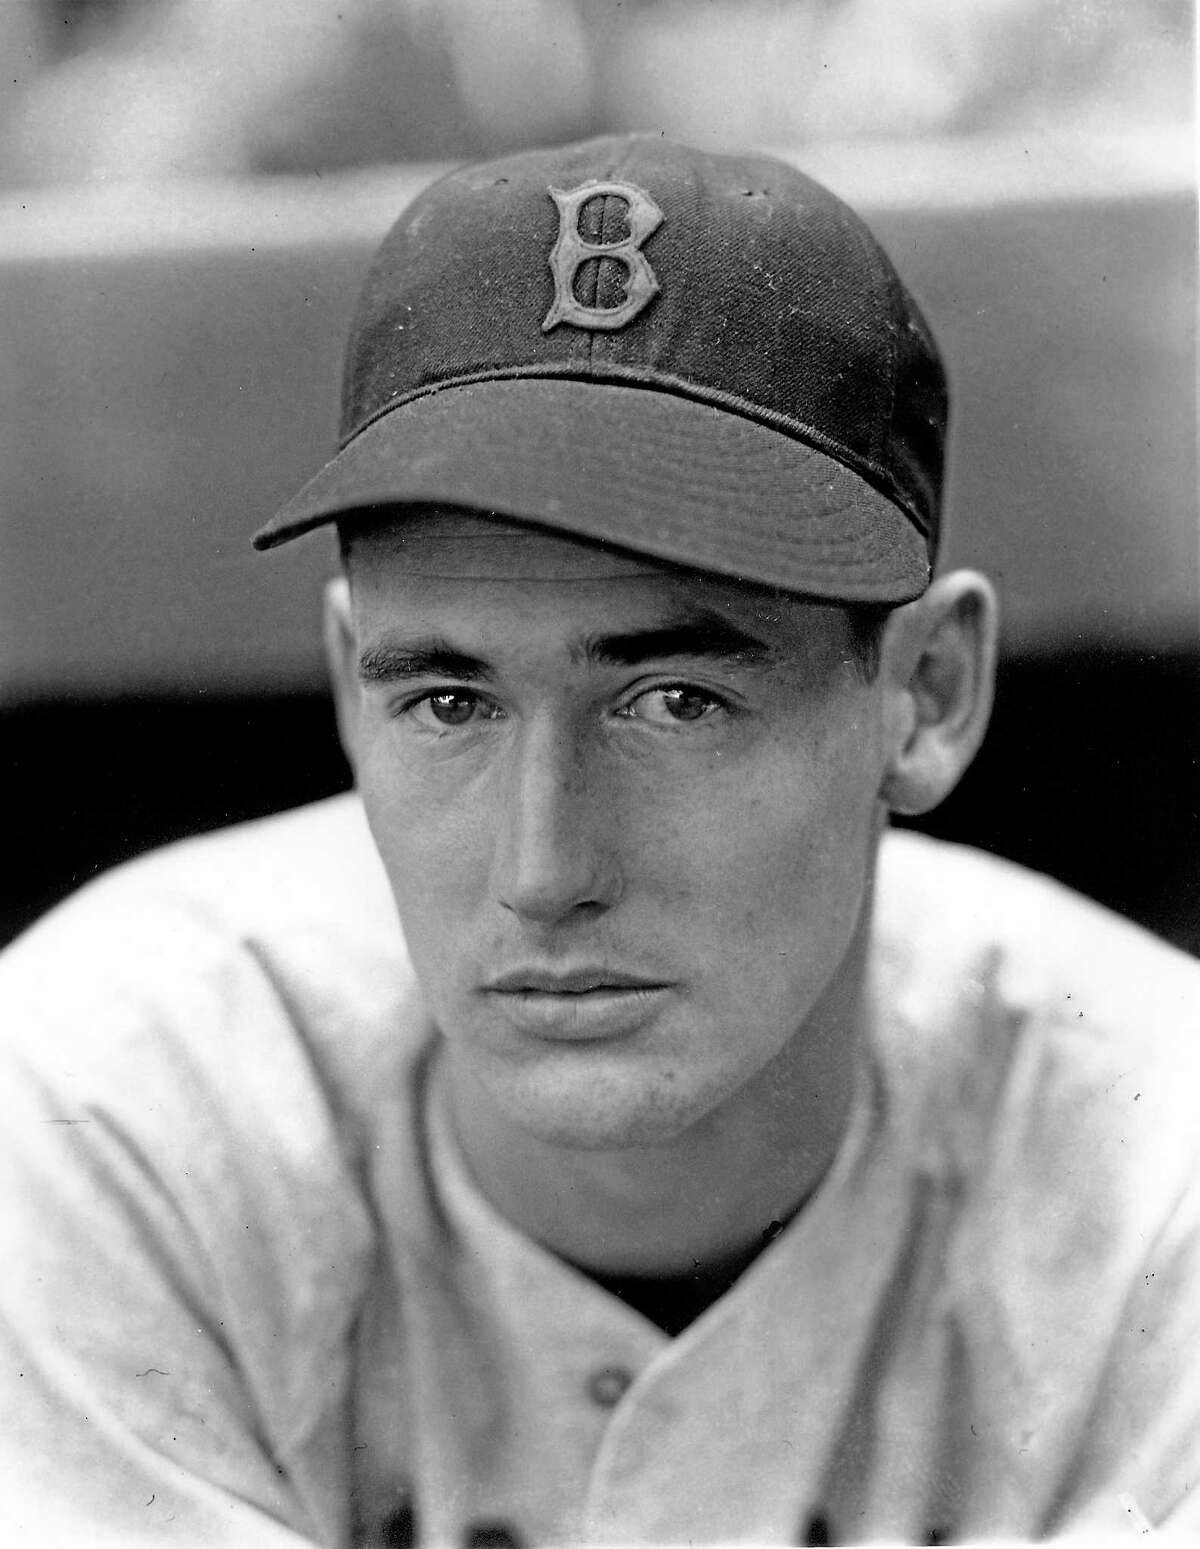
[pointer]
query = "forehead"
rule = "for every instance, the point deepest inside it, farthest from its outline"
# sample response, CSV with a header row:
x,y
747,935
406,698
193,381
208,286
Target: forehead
x,y
421,562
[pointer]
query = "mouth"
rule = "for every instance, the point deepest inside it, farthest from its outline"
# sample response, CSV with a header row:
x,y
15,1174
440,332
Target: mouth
x,y
577,1005
576,981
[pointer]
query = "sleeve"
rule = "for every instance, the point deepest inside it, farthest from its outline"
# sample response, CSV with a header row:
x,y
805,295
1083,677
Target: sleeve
x,y
182,1251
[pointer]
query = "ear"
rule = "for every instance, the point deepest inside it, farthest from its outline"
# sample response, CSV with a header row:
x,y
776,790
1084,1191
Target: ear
x,y
341,653
938,663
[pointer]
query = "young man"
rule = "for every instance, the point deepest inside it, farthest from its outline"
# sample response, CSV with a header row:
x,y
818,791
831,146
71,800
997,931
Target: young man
x,y
697,1160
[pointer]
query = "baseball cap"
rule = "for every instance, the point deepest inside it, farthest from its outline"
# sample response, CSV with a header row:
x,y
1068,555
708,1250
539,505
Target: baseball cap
x,y
705,359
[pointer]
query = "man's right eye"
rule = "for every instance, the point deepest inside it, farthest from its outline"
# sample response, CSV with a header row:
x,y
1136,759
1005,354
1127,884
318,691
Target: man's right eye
x,y
450,708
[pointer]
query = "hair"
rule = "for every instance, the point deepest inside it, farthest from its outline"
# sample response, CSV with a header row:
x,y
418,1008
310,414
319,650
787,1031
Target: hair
x,y
346,533
866,620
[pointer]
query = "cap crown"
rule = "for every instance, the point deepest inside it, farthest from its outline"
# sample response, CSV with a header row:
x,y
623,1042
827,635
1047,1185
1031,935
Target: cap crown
x,y
755,290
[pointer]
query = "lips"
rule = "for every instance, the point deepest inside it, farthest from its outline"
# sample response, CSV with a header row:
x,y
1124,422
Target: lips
x,y
576,1005
576,981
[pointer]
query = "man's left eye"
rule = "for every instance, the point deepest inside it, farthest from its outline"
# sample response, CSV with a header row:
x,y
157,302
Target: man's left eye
x,y
673,706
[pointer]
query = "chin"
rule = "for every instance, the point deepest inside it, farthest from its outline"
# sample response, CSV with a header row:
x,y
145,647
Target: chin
x,y
591,1110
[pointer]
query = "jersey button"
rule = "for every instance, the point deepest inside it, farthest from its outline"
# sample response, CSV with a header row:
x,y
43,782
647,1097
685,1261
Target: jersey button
x,y
608,1386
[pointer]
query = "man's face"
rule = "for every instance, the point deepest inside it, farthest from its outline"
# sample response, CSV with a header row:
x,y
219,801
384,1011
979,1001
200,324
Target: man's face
x,y
629,815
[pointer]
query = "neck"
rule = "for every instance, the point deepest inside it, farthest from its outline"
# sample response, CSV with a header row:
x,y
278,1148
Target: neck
x,y
717,1190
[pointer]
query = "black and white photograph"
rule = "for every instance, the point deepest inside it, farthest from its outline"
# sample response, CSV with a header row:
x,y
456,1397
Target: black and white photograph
x,y
600,737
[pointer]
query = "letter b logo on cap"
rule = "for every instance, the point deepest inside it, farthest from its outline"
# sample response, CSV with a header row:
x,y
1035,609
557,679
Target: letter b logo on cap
x,y
643,218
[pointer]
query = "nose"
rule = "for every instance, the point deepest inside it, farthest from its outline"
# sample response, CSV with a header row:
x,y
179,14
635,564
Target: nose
x,y
554,857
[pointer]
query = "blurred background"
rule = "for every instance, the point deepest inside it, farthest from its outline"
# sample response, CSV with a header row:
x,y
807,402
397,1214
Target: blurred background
x,y
190,191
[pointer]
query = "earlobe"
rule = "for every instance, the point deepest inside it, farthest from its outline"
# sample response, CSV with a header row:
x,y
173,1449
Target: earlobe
x,y
341,654
939,656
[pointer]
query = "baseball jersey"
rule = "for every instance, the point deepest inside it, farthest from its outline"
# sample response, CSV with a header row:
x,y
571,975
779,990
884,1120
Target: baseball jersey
x,y
251,1294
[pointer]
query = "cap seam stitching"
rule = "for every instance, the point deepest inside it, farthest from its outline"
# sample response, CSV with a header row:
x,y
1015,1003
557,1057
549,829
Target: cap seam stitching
x,y
882,278
614,165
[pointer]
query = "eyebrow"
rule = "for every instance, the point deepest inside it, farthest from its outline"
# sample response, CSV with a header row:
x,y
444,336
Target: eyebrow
x,y
389,661
699,634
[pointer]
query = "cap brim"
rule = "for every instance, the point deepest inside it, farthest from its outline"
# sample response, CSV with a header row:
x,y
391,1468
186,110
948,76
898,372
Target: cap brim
x,y
649,471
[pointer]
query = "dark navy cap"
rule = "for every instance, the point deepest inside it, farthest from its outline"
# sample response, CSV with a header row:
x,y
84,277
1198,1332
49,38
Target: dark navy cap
x,y
706,359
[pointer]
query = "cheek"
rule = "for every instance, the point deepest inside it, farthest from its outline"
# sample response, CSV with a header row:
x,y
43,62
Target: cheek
x,y
431,840
794,830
